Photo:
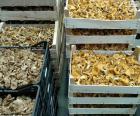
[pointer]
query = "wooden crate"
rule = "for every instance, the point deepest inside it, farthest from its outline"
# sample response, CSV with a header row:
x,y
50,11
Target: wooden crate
x,y
83,23
39,14
55,49
29,14
100,89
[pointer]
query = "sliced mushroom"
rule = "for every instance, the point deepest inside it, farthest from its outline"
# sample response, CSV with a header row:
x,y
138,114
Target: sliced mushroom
x,y
106,69
19,67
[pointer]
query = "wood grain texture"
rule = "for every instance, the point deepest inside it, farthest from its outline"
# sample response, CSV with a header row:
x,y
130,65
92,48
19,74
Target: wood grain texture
x,y
104,89
104,100
28,15
102,110
27,3
111,39
72,23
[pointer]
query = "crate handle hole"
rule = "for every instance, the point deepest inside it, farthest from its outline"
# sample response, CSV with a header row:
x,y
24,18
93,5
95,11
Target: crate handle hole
x,y
48,88
46,71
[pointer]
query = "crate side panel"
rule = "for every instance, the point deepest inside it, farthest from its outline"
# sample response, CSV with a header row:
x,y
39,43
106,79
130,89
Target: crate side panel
x,y
27,3
102,110
28,15
121,39
104,89
98,24
104,100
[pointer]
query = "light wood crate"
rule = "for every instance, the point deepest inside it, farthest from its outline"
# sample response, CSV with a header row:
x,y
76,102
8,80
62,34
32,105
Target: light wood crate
x,y
102,89
56,44
84,23
29,15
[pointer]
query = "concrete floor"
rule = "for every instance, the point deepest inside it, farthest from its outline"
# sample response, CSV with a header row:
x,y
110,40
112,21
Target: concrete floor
x,y
63,92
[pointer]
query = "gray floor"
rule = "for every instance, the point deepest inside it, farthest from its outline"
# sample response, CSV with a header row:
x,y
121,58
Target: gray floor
x,y
63,93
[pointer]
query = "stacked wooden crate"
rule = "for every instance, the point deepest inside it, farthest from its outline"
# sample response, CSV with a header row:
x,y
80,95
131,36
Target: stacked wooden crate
x,y
35,13
7,13
100,95
85,99
98,24
23,23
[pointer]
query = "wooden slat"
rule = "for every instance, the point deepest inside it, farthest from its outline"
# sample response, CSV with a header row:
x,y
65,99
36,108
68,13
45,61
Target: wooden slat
x,y
109,52
104,100
121,39
28,15
103,89
137,42
27,3
137,4
26,25
100,24
68,51
56,38
1,25
102,110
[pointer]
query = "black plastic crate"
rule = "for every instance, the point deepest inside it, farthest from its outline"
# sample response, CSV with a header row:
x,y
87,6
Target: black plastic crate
x,y
138,36
50,105
40,45
49,85
50,97
44,49
54,103
45,81
32,91
45,71
47,104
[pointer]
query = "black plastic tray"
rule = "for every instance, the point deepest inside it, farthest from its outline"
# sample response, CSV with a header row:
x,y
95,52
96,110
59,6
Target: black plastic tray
x,y
32,91
45,78
41,45
50,96
50,107
44,49
48,86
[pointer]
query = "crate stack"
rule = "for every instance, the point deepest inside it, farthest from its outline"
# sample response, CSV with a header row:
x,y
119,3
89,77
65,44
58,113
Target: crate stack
x,y
32,27
26,76
9,12
97,25
100,99
44,13
29,98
